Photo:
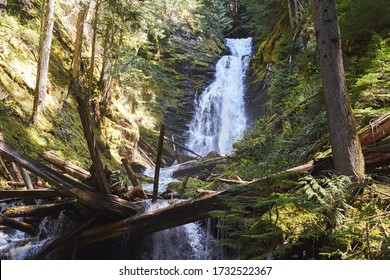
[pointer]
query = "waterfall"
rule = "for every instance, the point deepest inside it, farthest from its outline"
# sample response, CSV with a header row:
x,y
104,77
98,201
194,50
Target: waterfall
x,y
220,117
218,122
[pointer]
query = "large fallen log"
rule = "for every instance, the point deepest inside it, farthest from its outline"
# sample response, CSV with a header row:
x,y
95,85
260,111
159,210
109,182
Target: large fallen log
x,y
192,167
15,224
376,131
172,216
39,210
29,194
70,187
67,167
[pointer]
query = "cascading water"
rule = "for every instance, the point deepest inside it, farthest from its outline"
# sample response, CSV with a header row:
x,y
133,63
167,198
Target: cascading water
x,y
219,121
220,110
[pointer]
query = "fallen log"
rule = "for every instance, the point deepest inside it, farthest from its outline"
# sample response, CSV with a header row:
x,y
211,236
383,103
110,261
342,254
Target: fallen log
x,y
192,167
15,224
136,192
130,173
7,173
29,194
69,187
183,147
39,210
67,167
27,179
376,131
172,216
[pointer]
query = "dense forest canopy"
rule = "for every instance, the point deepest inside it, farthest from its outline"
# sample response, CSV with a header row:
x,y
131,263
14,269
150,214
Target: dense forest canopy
x,y
142,63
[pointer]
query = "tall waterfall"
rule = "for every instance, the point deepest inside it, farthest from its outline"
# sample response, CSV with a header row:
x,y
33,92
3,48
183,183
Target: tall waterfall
x,y
220,110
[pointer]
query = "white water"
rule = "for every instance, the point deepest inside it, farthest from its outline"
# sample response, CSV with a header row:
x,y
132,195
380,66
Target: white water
x,y
220,117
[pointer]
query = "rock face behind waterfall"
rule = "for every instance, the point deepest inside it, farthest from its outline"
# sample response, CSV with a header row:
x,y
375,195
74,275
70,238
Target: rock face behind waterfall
x,y
194,62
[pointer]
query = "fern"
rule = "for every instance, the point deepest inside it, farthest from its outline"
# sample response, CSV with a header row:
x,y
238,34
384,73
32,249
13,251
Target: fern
x,y
331,194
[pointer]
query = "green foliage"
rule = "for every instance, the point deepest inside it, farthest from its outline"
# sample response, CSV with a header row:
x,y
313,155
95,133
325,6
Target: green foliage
x,y
360,18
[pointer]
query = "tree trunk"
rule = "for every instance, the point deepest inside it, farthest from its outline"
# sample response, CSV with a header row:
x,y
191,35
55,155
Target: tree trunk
x,y
44,58
82,107
346,148
67,167
158,162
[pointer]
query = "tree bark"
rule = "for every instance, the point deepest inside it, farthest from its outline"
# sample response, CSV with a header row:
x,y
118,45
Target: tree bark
x,y
44,57
376,131
346,148
67,167
158,163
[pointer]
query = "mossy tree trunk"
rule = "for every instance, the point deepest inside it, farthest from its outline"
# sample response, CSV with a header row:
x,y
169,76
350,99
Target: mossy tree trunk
x,y
44,57
347,153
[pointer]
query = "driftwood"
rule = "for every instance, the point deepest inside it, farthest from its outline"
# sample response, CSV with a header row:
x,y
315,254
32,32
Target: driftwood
x,y
39,210
29,194
67,167
376,131
130,173
70,187
15,224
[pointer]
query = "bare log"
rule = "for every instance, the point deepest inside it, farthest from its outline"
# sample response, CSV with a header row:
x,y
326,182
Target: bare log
x,y
158,162
130,173
136,192
15,224
67,167
70,187
39,210
183,147
192,167
7,174
27,179
30,194
376,131
172,216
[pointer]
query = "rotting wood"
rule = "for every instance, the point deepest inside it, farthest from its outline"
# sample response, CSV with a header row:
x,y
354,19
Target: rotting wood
x,y
158,163
39,210
136,192
70,187
29,194
16,170
67,167
15,224
130,173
